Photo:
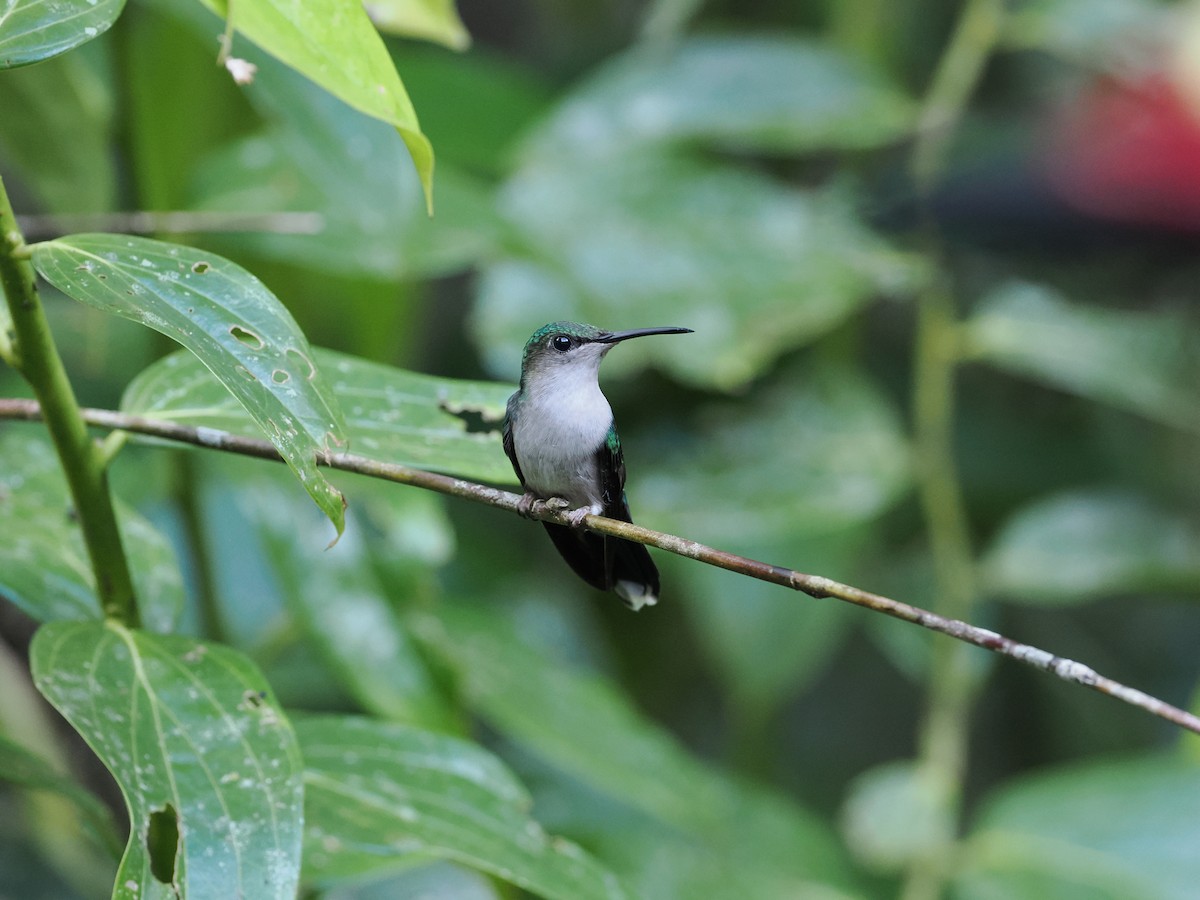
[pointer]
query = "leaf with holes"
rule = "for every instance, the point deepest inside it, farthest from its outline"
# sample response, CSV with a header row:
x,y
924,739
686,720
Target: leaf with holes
x,y
229,320
33,30
441,424
208,765
379,795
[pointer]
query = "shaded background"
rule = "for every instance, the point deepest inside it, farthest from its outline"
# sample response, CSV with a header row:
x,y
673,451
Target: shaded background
x,y
742,169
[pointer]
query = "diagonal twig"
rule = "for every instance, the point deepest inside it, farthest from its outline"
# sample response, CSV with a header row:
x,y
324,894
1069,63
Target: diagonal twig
x,y
813,585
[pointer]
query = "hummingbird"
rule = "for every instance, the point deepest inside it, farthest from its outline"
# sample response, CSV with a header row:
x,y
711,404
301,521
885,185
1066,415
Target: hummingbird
x,y
559,436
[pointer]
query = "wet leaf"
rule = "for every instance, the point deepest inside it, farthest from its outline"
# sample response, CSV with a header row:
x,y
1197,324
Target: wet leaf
x,y
33,30
1146,363
207,762
229,320
44,566
1074,547
381,795
392,415
755,267
758,93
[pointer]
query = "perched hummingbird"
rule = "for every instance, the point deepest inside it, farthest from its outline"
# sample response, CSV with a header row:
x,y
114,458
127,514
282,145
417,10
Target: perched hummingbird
x,y
559,435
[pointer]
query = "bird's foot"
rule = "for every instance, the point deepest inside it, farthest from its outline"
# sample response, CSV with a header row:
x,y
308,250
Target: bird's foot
x,y
526,504
576,516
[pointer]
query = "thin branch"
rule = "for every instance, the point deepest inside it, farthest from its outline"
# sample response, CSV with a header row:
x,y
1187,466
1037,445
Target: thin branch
x,y
42,227
813,585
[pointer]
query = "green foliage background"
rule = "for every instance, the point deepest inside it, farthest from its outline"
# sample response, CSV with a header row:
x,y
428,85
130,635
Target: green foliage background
x,y
452,712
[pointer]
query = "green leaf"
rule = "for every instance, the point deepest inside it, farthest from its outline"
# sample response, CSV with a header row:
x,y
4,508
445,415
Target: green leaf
x,y
228,318
749,93
755,267
166,53
433,20
892,817
424,883
342,607
57,130
33,30
1146,363
1116,829
1075,547
1085,31
22,767
319,154
821,451
440,424
334,44
380,795
44,566
583,725
474,106
794,476
208,764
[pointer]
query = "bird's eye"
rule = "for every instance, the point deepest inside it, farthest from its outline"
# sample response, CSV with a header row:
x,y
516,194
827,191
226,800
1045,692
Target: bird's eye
x,y
561,343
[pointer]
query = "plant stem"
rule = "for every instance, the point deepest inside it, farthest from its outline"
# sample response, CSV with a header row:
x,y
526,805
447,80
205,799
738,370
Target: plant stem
x,y
942,742
36,358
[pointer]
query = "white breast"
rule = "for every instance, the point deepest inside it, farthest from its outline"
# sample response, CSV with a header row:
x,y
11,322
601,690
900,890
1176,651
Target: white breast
x,y
564,421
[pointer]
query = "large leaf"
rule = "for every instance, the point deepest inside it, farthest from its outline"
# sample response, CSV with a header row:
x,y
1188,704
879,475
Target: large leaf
x,y
392,415
206,760
434,20
57,127
770,93
1074,547
228,318
44,566
381,795
333,43
1120,830
339,602
1146,363
756,268
581,724
33,30
793,477
319,154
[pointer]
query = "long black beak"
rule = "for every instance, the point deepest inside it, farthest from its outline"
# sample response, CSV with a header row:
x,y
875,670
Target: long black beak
x,y
613,337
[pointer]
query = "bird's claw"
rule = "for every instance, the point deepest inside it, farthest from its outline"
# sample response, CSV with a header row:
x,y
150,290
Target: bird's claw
x,y
532,503
526,504
576,516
